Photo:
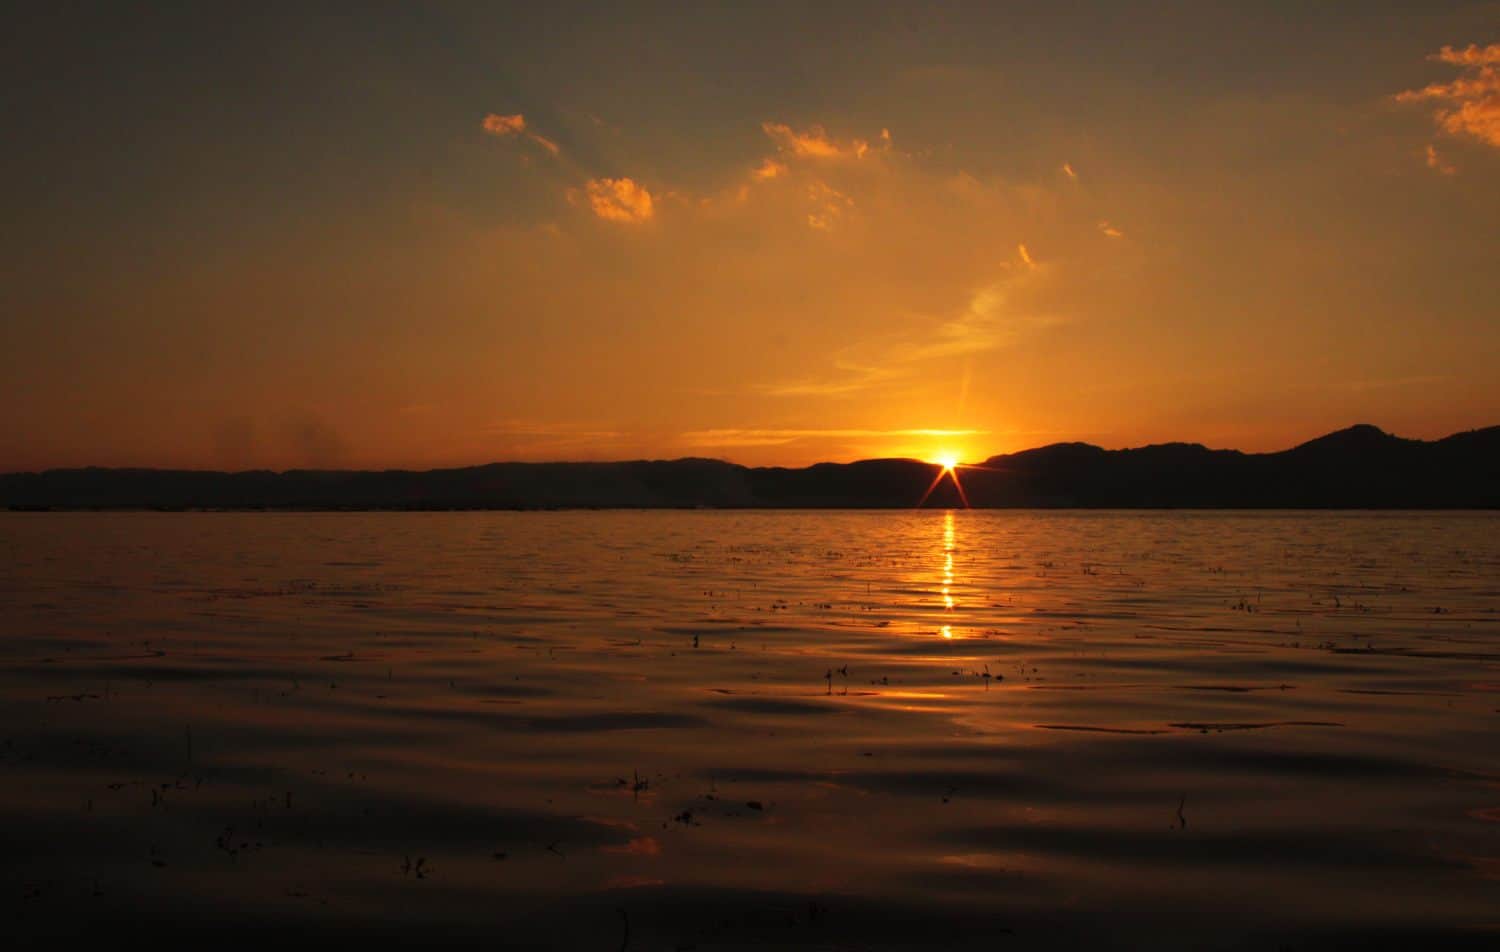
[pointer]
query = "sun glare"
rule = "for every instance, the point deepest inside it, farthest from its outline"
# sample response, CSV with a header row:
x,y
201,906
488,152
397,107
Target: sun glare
x,y
947,463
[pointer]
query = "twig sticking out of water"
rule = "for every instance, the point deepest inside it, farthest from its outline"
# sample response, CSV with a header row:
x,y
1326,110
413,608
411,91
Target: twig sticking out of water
x,y
625,939
1181,819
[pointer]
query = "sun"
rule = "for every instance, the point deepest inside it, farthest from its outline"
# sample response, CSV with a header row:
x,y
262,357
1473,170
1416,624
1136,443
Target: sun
x,y
947,463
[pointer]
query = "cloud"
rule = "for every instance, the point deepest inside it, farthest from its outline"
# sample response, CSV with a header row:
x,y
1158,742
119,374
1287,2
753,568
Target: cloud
x,y
620,199
1067,168
532,439
1110,231
1437,163
852,378
768,170
989,322
503,127
755,436
829,205
545,143
814,143
498,125
1469,105
1025,256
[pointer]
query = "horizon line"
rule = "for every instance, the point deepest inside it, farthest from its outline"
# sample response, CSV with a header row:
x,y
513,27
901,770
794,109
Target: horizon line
x,y
978,463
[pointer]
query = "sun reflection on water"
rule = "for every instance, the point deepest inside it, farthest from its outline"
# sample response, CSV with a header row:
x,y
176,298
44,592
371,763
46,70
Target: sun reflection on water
x,y
948,545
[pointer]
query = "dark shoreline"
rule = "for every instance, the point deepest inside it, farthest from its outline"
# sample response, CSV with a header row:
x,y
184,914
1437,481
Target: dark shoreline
x,y
355,510
1360,468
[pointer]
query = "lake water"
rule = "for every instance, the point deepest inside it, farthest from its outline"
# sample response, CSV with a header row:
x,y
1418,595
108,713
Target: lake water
x,y
711,730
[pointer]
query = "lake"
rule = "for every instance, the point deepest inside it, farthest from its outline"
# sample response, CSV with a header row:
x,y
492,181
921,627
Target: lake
x,y
714,730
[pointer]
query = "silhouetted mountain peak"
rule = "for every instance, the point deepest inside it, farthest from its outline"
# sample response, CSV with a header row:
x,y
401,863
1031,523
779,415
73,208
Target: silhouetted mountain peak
x,y
1360,437
1053,452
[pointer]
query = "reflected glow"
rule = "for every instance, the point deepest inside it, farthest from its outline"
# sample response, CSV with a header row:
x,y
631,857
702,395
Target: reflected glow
x,y
948,561
948,546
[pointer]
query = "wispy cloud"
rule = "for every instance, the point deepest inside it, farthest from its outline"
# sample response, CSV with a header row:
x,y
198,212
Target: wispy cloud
x,y
849,377
620,199
550,429
771,436
1110,231
546,143
505,127
540,439
988,323
1470,104
1437,163
829,205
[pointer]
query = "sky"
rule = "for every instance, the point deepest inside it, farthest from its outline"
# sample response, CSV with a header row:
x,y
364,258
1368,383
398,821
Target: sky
x,y
417,235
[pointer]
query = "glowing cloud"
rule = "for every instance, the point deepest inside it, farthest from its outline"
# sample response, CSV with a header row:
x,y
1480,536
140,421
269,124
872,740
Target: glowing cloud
x,y
1470,104
498,125
1025,256
620,199
829,206
1110,231
503,127
814,143
1436,162
768,170
1067,168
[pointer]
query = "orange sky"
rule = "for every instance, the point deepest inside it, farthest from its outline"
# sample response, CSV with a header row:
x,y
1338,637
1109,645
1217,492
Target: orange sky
x,y
439,238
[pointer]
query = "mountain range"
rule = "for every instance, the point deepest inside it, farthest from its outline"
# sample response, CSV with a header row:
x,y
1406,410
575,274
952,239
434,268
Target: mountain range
x,y
1361,467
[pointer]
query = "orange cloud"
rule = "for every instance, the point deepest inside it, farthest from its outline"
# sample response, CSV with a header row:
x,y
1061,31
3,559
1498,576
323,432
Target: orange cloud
x,y
498,125
814,143
1068,170
620,199
830,205
504,127
1470,104
768,170
772,436
1110,230
1026,256
1436,162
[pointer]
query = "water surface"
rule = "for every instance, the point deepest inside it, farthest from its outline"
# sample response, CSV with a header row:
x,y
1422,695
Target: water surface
x,y
733,730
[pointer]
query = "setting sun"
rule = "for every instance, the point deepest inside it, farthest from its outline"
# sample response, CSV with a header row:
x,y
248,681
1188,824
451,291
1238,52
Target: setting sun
x,y
949,461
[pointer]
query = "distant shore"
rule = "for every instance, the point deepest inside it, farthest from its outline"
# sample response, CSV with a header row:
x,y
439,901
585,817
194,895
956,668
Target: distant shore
x,y
1361,467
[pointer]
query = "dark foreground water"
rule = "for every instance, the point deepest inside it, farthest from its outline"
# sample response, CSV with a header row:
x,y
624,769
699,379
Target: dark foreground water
x,y
740,730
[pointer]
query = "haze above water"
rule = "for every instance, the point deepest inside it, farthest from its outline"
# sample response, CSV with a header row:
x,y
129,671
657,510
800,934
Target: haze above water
x,y
717,730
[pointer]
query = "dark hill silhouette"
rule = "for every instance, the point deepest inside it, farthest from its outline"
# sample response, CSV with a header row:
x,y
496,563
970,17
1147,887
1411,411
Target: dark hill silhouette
x,y
1360,467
